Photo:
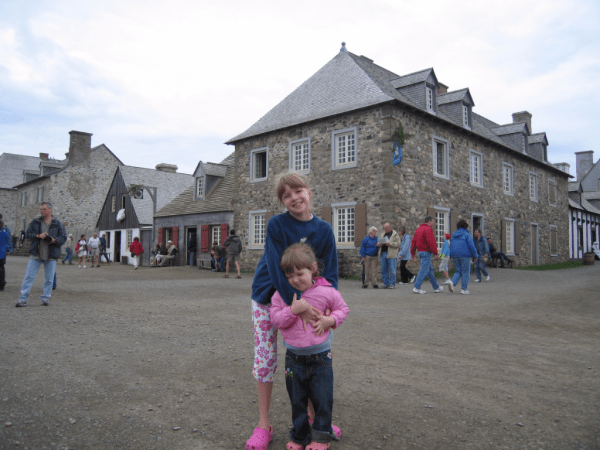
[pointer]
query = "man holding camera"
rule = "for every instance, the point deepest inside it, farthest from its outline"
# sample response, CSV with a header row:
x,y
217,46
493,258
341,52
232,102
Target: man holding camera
x,y
47,235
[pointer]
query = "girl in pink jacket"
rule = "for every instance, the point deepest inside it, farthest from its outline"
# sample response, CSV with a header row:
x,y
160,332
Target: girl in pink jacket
x,y
308,368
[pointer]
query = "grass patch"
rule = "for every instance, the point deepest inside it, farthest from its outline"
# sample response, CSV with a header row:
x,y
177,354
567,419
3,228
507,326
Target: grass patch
x,y
555,266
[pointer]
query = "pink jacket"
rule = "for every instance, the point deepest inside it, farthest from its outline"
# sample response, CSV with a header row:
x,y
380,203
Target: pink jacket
x,y
321,295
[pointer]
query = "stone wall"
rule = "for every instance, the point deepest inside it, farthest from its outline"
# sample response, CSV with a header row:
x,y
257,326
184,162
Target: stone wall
x,y
402,194
8,200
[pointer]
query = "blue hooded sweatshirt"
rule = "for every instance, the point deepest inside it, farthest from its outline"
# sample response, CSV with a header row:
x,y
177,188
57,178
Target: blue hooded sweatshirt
x,y
462,245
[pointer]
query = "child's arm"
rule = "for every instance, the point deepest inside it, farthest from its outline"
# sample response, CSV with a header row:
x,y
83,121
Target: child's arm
x,y
339,312
281,314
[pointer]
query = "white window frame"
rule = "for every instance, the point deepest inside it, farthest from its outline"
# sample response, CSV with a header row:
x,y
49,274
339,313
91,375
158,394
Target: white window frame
x,y
24,198
476,172
352,154
510,170
40,194
466,123
253,156
200,187
534,189
215,234
253,243
301,146
510,229
348,227
555,228
129,237
429,99
439,230
552,185
435,141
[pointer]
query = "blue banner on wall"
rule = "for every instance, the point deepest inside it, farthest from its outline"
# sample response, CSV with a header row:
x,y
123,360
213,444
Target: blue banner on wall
x,y
397,154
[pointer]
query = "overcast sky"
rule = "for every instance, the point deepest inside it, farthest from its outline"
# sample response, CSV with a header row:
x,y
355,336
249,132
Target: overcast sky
x,y
170,82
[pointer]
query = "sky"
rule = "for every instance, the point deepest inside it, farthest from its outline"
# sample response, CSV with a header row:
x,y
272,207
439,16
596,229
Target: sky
x,y
170,82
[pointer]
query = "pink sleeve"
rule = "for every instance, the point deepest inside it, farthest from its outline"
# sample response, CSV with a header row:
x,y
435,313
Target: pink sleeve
x,y
281,314
339,309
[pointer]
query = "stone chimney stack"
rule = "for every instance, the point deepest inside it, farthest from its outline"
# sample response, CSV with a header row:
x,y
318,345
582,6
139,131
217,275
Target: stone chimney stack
x,y
163,167
443,88
565,167
80,147
583,163
523,116
44,156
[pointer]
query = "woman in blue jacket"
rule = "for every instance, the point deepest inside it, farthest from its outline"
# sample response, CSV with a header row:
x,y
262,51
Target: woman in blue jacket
x,y
368,255
462,249
5,247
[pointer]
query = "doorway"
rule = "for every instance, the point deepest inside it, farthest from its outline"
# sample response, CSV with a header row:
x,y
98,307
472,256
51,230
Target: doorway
x,y
535,245
477,221
117,246
191,245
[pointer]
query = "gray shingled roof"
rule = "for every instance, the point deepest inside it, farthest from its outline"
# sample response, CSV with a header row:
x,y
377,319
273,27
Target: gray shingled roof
x,y
218,170
511,128
412,78
12,166
589,207
219,198
169,185
455,96
538,137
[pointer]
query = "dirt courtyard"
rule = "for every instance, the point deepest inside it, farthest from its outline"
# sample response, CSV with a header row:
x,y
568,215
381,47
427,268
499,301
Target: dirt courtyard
x,y
161,358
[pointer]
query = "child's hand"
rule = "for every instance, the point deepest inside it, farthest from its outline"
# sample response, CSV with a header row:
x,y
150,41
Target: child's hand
x,y
299,306
323,324
310,315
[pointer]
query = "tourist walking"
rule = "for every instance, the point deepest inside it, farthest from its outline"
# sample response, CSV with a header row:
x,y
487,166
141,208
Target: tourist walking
x,y
6,246
462,249
69,247
424,243
136,250
82,250
368,255
404,256
233,245
483,249
390,244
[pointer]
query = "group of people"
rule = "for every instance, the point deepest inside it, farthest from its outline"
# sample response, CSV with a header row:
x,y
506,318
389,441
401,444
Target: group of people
x,y
94,248
161,254
223,255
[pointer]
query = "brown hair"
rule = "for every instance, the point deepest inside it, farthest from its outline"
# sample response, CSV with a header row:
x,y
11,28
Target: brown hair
x,y
293,180
298,256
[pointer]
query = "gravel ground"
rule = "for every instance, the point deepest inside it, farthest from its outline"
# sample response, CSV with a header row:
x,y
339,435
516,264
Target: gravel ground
x,y
161,359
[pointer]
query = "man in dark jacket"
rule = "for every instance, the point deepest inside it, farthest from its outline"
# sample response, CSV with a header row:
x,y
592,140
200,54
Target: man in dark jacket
x,y
191,249
483,249
47,236
234,247
220,253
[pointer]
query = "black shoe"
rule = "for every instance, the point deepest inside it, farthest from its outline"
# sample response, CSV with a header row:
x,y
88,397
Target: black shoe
x,y
375,286
63,262
365,286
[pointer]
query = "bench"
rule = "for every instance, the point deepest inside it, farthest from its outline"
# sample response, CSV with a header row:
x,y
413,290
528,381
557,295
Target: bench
x,y
203,261
495,262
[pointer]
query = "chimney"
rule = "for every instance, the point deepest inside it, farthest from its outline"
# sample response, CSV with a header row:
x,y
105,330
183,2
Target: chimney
x,y
163,167
583,163
565,167
443,88
44,156
523,116
80,146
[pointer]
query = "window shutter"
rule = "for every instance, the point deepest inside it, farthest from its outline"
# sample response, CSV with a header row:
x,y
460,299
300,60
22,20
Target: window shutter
x,y
204,244
268,215
517,237
224,232
160,236
326,214
553,241
431,212
503,235
453,221
176,236
360,223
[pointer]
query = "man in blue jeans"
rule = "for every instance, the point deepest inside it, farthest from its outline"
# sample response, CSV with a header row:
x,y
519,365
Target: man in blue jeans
x,y
483,249
47,236
389,256
424,242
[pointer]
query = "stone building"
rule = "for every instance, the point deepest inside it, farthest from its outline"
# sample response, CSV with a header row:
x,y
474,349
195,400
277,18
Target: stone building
x,y
339,127
75,186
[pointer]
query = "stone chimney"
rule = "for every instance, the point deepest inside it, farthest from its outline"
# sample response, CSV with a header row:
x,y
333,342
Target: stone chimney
x,y
80,147
583,163
565,167
44,156
523,116
163,167
443,88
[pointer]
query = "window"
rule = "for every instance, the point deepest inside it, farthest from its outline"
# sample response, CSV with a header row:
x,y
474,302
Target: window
x,y
533,187
40,194
465,116
580,237
300,156
259,166
123,201
200,187
344,223
553,240
476,168
129,238
441,226
509,235
215,234
429,98
257,229
23,225
507,179
440,158
113,207
24,198
552,192
344,148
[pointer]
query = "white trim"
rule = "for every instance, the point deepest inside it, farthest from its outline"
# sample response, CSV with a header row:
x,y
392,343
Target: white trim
x,y
556,228
253,153
293,155
479,159
446,143
198,180
482,226
352,152
512,178
251,215
537,243
513,221
537,187
466,116
429,99
349,242
447,225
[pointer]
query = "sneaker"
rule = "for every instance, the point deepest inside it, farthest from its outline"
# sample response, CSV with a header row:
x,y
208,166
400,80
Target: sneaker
x,y
386,286
448,281
365,286
419,291
84,267
402,283
135,268
21,304
477,281
80,266
451,286
412,280
488,278
440,289
376,286
462,291
392,286
45,303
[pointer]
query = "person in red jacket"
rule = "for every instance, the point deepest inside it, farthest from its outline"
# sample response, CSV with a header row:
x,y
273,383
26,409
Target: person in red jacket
x,y
136,250
424,242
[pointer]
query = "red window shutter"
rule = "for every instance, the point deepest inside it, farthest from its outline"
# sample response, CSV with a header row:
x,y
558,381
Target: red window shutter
x,y
204,244
224,232
160,236
176,236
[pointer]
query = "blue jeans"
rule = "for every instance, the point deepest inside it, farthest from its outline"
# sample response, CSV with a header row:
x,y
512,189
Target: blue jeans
x,y
310,376
191,258
103,253
388,270
68,256
480,267
32,269
426,271
462,271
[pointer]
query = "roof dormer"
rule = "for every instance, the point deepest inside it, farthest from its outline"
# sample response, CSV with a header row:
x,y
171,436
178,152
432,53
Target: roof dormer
x,y
207,176
538,146
514,135
420,87
457,105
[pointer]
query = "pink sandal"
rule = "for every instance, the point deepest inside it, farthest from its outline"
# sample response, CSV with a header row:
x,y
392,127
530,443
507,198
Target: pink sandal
x,y
293,446
336,430
260,439
317,446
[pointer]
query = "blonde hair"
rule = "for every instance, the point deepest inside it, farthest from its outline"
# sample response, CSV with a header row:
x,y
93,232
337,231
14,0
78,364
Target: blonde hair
x,y
298,257
293,180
